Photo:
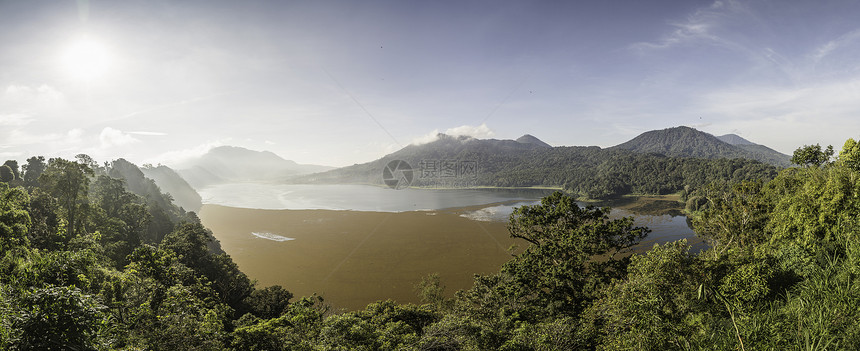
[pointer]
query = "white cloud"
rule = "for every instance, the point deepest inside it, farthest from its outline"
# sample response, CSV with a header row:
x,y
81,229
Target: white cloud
x,y
825,50
787,117
698,26
477,132
15,119
148,133
110,137
27,95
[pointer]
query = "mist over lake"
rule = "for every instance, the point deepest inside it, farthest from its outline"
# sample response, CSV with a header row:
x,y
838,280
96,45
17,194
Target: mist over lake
x,y
357,197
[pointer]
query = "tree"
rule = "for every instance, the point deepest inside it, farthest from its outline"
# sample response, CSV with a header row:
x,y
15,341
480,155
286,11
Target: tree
x,y
14,218
812,156
6,174
269,302
68,182
13,165
558,272
33,169
850,154
58,317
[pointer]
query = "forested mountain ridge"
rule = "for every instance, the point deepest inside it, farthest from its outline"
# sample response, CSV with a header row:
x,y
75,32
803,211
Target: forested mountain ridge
x,y
97,257
584,170
172,183
689,142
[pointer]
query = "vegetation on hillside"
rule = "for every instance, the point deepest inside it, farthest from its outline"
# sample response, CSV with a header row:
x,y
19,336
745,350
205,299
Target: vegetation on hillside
x,y
85,267
589,172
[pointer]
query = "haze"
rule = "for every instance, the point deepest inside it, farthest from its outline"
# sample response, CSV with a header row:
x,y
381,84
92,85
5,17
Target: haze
x,y
341,82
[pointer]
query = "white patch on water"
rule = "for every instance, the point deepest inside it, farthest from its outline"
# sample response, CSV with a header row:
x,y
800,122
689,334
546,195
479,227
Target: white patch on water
x,y
271,236
499,213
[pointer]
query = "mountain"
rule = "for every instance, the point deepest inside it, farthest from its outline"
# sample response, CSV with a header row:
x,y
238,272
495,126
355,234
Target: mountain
x,y
439,159
734,139
225,164
529,139
761,152
172,183
689,142
450,162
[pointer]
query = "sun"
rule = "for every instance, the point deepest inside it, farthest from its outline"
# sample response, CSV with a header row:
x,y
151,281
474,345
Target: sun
x,y
85,59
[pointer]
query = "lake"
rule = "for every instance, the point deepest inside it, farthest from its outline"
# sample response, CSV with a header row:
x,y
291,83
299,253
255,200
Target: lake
x,y
356,244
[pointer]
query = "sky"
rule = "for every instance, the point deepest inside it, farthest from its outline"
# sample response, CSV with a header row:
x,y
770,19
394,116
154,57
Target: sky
x,y
343,82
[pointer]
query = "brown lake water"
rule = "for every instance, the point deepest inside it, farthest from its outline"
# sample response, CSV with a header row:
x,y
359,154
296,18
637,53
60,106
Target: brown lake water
x,y
357,256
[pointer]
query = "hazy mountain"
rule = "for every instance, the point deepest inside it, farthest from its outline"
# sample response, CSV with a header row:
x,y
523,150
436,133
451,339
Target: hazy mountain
x,y
235,164
446,151
689,142
172,183
734,139
529,139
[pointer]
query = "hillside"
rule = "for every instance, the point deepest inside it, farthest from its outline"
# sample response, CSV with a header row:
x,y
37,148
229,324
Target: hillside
x,y
763,153
689,142
734,139
235,164
589,171
172,183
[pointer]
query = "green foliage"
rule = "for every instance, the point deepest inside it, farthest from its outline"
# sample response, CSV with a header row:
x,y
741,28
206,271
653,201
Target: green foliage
x,y
557,271
68,182
850,155
269,302
6,174
98,258
57,317
13,166
650,309
812,156
431,291
33,170
14,219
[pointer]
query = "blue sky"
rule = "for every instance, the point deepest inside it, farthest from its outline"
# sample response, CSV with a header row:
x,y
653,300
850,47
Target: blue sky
x,y
343,82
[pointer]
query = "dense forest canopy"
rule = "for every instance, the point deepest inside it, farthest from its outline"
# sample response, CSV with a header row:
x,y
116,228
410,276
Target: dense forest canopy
x,y
96,257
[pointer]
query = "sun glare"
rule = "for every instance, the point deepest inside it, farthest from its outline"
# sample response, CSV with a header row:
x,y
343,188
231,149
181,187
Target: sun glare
x,y
86,59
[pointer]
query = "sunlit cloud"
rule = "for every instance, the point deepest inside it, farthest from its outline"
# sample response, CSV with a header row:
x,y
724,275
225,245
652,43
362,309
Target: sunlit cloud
x,y
148,133
477,132
111,137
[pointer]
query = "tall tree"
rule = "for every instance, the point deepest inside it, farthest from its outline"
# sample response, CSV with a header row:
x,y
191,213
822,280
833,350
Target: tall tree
x,y
33,169
68,181
13,165
6,174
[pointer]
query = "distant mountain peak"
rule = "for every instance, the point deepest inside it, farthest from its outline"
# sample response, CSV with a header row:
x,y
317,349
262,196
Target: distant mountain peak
x,y
224,164
530,139
689,142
